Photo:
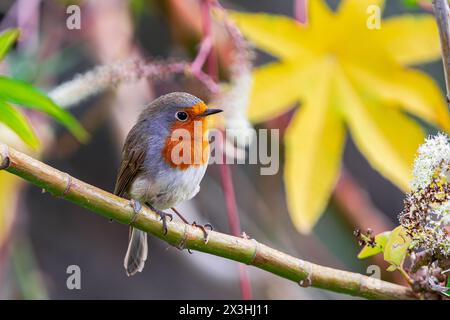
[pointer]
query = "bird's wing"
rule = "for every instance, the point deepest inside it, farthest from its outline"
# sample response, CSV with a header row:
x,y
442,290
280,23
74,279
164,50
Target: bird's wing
x,y
132,159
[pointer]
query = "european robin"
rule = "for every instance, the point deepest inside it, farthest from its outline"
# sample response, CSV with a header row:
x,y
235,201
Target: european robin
x,y
164,159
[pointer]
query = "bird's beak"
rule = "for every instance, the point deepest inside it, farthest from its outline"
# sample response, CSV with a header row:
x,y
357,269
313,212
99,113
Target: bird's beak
x,y
209,112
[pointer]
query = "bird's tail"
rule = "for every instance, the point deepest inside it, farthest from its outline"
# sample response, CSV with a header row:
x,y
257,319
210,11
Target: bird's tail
x,y
136,252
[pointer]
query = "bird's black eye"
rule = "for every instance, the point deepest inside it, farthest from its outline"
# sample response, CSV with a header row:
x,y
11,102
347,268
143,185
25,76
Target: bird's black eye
x,y
181,115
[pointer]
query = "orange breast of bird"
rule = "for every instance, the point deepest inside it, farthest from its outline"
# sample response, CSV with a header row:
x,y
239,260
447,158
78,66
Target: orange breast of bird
x,y
188,144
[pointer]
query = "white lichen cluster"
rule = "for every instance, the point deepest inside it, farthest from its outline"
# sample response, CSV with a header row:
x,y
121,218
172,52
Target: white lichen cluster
x,y
426,214
434,152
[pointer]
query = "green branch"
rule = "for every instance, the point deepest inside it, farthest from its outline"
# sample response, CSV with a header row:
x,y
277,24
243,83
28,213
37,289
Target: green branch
x,y
181,235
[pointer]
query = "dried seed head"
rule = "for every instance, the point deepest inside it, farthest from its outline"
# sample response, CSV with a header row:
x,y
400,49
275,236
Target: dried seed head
x,y
426,212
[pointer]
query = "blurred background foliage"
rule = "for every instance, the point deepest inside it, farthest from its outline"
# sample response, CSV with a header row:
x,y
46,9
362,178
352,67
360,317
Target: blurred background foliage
x,y
366,88
41,236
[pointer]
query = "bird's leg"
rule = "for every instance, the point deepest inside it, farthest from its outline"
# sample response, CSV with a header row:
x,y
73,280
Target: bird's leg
x,y
202,227
162,215
179,215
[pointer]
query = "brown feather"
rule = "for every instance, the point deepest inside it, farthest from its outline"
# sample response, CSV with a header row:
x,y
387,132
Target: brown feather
x,y
133,157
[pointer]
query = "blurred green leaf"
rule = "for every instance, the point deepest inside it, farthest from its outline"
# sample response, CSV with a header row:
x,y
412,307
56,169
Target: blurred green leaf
x,y
18,123
7,39
22,93
397,247
380,243
410,4
30,280
136,7
139,8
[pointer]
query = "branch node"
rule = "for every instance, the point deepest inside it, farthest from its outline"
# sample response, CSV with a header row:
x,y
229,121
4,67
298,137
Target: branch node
x,y
68,186
306,268
182,244
255,253
305,283
4,157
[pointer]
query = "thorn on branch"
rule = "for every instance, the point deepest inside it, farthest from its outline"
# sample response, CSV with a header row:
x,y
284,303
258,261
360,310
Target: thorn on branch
x,y
245,235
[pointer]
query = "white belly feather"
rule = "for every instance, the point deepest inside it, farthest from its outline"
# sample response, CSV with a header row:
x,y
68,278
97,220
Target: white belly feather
x,y
168,189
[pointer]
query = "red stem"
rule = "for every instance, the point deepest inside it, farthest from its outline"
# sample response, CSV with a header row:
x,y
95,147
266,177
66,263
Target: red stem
x,y
228,188
300,11
234,222
202,56
204,52
425,5
207,29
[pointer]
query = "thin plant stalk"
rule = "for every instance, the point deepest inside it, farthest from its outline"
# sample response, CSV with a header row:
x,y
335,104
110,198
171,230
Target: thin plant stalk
x,y
206,54
301,11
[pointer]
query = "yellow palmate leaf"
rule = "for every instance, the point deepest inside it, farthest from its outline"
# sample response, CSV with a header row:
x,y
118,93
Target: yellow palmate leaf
x,y
357,25
272,92
320,14
387,138
320,22
410,89
314,142
277,86
276,34
411,39
370,87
